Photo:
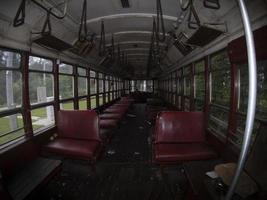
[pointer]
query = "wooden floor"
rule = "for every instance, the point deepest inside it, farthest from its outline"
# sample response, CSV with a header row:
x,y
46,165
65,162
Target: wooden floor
x,y
124,172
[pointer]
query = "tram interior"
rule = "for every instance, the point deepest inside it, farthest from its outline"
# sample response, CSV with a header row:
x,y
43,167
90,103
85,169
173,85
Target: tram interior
x,y
130,99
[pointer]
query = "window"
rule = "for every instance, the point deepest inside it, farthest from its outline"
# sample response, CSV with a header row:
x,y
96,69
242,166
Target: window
x,y
93,83
199,77
101,83
82,88
41,92
187,87
261,106
101,99
11,118
179,89
83,104
66,86
220,75
93,102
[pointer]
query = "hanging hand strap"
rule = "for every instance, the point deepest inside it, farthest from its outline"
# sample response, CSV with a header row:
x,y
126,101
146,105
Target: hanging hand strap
x,y
83,28
193,24
47,25
212,4
20,15
102,43
160,22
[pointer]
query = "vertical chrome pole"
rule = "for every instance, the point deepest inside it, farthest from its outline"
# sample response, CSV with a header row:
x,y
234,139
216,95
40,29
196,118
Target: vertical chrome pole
x,y
252,67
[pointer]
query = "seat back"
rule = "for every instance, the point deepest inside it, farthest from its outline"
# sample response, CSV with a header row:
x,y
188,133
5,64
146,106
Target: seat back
x,y
78,124
179,127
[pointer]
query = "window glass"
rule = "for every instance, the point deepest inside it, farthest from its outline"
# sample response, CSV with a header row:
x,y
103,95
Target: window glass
x,y
11,125
92,74
10,89
100,82
93,102
199,85
93,86
11,128
65,68
187,104
82,104
100,75
106,86
66,87
82,86
42,118
187,85
218,120
221,87
261,107
220,93
67,105
9,59
40,64
41,87
81,71
101,99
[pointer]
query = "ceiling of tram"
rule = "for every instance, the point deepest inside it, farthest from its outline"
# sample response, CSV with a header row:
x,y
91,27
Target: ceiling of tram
x,y
131,27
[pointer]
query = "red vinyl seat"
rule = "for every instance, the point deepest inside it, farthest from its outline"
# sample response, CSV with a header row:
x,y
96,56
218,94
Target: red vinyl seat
x,y
116,116
78,135
180,136
108,123
115,110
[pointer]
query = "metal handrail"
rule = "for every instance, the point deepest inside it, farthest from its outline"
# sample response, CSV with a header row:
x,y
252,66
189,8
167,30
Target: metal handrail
x,y
252,97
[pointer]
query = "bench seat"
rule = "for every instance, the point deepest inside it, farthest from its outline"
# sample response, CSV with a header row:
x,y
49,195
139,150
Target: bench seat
x,y
79,149
26,181
108,124
183,152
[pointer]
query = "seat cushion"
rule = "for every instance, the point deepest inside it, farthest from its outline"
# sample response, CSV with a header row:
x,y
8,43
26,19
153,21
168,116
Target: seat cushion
x,y
117,116
78,149
108,123
173,152
115,110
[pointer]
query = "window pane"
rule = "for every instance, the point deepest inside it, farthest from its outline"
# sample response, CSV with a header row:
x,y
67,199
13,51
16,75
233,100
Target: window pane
x,y
93,102
9,59
82,104
107,98
65,68
92,74
65,87
237,138
42,118
100,99
81,71
218,120
40,64
10,89
106,86
199,91
220,61
67,106
11,128
100,75
82,86
186,104
261,109
187,85
221,87
92,86
200,66
100,82
199,105
41,87
187,71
